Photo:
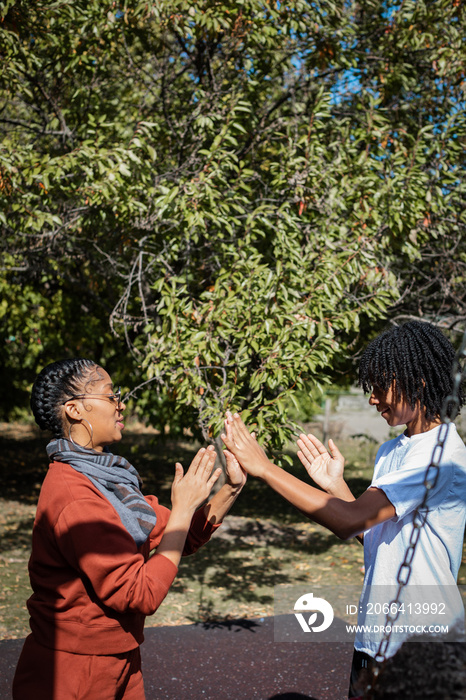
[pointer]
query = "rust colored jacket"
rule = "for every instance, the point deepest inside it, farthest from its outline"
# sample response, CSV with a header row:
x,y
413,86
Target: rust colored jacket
x,y
93,586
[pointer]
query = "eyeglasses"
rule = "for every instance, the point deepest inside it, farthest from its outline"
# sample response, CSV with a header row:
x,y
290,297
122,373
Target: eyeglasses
x,y
116,397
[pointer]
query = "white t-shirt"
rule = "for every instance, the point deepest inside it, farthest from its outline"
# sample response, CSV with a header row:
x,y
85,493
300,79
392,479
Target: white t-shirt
x,y
431,596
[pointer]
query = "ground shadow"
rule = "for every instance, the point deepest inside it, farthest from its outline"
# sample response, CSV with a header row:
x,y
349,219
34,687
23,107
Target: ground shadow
x,y
18,536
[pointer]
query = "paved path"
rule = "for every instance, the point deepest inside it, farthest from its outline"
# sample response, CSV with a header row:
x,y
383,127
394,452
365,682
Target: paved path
x,y
238,660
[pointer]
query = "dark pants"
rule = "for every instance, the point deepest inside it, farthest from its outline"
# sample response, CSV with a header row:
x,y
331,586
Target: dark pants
x,y
361,673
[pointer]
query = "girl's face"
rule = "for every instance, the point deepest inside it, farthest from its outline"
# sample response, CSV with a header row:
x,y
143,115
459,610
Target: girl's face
x,y
99,407
397,411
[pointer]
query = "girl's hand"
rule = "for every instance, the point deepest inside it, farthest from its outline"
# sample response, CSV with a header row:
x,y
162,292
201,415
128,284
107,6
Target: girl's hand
x,y
325,468
244,446
235,475
193,488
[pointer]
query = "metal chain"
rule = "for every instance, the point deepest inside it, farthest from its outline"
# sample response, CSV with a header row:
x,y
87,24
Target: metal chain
x,y
448,414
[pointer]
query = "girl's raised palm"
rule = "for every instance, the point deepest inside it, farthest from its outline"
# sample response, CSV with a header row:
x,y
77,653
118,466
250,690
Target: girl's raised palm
x,y
244,446
324,467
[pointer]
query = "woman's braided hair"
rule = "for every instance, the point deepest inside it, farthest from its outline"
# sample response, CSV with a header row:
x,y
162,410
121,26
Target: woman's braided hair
x,y
55,383
419,357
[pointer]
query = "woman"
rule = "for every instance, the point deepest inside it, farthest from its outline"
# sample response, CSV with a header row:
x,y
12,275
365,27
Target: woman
x,y
92,578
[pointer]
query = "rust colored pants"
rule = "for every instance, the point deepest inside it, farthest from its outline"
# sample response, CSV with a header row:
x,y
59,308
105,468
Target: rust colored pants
x,y
48,674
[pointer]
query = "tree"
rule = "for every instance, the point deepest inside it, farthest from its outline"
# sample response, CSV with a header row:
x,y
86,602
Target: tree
x,y
247,185
414,61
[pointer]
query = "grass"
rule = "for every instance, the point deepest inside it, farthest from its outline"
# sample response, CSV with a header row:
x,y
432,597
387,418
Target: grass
x,y
263,543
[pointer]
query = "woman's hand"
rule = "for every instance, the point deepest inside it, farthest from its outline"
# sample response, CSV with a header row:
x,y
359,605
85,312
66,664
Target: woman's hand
x,y
235,475
325,468
191,489
219,505
244,446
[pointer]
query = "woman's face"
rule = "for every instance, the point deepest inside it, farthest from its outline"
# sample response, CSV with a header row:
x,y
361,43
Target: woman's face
x,y
99,408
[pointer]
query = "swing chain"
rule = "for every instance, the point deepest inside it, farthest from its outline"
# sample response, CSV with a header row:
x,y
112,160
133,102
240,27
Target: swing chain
x,y
448,414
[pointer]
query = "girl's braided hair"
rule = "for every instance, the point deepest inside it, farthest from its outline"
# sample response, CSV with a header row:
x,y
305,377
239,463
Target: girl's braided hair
x,y
419,357
54,384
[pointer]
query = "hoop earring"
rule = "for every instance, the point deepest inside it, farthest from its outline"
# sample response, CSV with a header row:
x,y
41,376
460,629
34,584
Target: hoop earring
x,y
90,438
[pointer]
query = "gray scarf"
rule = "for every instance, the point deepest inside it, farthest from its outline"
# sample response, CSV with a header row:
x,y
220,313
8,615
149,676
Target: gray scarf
x,y
115,478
